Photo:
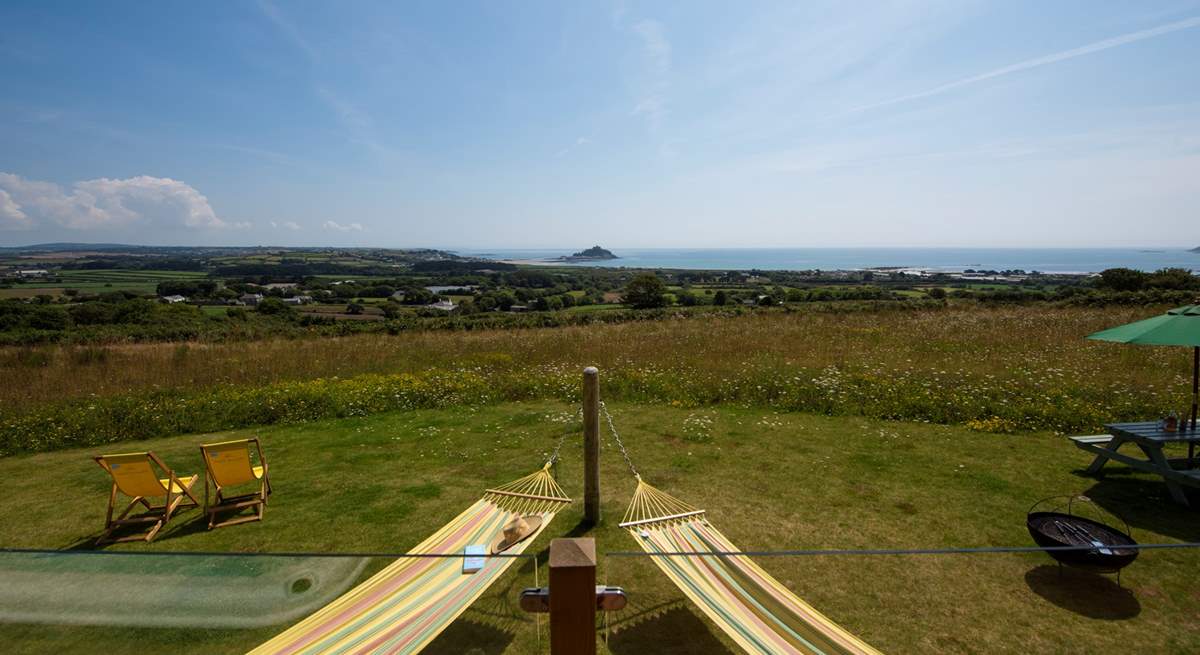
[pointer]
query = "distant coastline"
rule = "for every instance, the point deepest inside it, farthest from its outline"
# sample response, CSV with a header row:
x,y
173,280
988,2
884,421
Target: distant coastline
x,y
591,255
1079,261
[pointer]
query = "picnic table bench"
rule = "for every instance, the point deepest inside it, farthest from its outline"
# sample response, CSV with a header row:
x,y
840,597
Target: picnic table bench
x,y
1150,438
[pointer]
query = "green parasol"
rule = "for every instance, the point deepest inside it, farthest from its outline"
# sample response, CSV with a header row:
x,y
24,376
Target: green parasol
x,y
1178,327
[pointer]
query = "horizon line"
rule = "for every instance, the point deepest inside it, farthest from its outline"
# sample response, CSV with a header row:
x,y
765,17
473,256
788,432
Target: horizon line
x,y
445,248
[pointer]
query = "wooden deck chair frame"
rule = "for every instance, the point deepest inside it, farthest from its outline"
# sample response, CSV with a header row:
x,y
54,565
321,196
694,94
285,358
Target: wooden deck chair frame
x,y
156,515
218,502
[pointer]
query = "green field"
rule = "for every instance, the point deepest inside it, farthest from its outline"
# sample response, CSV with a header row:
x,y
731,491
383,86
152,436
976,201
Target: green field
x,y
99,281
768,480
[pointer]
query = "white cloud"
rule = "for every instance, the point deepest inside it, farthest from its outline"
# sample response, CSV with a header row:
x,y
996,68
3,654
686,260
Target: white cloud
x,y
339,227
11,216
108,203
291,225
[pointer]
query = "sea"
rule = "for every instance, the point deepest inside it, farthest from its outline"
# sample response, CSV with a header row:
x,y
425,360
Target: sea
x,y
950,260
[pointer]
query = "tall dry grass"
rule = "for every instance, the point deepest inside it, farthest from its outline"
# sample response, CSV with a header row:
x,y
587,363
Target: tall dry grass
x,y
1013,342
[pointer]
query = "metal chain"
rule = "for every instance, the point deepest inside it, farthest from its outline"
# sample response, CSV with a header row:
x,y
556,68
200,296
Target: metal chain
x,y
561,440
620,444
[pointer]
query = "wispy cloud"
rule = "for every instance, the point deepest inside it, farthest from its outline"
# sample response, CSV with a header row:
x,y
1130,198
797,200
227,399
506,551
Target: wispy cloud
x,y
261,153
355,120
290,225
350,115
579,142
656,58
343,227
288,29
1045,60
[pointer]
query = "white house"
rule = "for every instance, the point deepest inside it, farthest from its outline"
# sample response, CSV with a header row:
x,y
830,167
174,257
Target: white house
x,y
297,300
172,299
33,272
444,305
251,298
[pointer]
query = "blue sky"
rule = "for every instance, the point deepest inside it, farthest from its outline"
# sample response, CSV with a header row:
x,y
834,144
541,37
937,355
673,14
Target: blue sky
x,y
550,124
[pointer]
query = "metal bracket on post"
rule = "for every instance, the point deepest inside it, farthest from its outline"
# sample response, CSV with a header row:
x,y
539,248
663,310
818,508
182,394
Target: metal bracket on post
x,y
573,597
536,600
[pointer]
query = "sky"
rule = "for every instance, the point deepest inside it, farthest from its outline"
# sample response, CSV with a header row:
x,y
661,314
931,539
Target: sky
x,y
541,124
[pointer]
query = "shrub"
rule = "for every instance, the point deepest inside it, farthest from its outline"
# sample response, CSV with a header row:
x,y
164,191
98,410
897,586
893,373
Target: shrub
x,y
273,306
645,291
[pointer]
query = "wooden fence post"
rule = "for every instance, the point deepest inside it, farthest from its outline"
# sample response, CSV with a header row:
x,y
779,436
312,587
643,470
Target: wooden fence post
x,y
573,597
591,445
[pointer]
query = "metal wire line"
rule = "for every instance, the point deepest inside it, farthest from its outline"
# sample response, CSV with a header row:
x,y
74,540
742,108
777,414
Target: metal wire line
x,y
816,552
562,439
620,444
186,553
896,551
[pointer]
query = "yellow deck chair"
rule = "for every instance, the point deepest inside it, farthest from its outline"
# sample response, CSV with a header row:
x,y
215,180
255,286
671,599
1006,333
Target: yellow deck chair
x,y
134,475
228,464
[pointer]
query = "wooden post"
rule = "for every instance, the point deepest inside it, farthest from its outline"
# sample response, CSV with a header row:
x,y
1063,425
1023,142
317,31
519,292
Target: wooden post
x,y
591,445
573,597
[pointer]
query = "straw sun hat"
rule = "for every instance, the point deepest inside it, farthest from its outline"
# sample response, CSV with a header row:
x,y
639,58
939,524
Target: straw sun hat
x,y
516,531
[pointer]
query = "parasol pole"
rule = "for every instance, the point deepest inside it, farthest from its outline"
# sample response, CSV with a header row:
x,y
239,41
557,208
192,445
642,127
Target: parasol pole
x,y
1195,382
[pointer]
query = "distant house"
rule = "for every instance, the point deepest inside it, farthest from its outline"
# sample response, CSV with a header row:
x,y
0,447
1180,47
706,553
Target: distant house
x,y
398,296
297,300
33,272
519,308
251,299
173,299
444,305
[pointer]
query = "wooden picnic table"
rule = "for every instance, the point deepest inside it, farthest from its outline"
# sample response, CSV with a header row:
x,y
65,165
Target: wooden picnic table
x,y
1150,438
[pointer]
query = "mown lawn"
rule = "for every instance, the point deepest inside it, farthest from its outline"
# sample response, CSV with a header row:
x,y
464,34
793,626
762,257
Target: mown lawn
x,y
768,480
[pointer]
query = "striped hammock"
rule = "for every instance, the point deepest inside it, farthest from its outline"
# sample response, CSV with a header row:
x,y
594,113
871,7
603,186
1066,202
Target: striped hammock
x,y
405,606
745,601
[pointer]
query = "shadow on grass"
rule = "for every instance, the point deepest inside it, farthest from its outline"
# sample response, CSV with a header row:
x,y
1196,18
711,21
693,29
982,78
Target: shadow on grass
x,y
1146,504
186,522
581,529
466,637
1088,594
178,526
673,630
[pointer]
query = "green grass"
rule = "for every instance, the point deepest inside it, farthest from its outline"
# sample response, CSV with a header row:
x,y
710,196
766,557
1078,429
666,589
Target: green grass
x,y
596,308
768,480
